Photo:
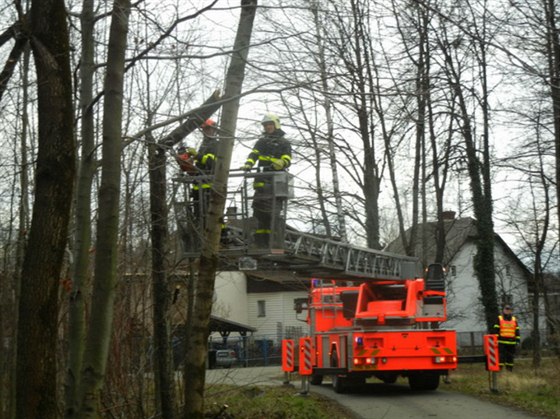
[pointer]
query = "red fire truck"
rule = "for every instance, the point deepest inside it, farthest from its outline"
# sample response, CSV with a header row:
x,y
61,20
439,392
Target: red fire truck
x,y
379,328
369,313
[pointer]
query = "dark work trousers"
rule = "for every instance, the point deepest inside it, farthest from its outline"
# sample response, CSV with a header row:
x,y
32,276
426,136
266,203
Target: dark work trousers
x,y
507,355
267,210
200,205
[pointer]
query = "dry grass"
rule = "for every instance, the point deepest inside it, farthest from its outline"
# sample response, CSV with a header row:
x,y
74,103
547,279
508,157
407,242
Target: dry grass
x,y
534,390
269,402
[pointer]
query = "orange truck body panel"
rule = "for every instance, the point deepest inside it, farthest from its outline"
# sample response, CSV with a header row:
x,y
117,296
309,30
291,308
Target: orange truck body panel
x,y
381,328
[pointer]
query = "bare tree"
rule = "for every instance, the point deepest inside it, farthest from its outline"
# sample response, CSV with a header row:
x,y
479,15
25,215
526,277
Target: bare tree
x,y
550,8
158,208
105,270
478,159
195,363
82,214
36,395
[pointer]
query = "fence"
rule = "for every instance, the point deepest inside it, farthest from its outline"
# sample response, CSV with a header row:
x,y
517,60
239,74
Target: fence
x,y
264,350
255,350
470,343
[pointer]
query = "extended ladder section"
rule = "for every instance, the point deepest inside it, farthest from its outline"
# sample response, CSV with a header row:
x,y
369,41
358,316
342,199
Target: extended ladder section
x,y
286,253
319,257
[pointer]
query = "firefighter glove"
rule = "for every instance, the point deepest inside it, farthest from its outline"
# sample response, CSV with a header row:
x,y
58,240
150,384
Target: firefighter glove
x,y
246,167
192,151
278,164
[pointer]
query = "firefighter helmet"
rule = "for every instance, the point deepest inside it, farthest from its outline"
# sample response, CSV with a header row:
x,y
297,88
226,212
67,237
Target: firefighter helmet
x,y
270,117
208,123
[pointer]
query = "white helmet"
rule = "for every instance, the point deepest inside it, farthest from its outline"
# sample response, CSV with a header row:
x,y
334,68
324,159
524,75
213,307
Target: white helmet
x,y
270,117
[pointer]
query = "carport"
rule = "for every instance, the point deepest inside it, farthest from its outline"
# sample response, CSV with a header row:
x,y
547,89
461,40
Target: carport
x,y
225,327
217,324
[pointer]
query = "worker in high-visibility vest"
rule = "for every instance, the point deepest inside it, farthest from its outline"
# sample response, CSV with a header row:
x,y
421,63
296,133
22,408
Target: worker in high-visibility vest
x,y
205,161
507,329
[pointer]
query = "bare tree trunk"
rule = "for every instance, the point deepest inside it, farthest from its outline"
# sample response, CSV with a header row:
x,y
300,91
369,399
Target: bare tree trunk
x,y
482,205
161,293
553,49
196,349
21,241
438,164
327,105
159,234
36,389
82,228
12,292
105,270
538,275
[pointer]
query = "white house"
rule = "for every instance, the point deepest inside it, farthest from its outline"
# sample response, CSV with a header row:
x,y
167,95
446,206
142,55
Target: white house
x,y
465,311
268,306
265,305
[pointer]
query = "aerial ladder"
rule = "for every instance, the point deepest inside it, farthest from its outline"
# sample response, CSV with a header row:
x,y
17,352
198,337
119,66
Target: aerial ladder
x,y
288,250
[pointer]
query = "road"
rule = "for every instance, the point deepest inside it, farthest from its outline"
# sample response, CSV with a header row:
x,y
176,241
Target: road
x,y
379,401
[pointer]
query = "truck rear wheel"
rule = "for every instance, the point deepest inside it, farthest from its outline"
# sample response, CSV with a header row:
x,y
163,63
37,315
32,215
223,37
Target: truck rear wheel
x,y
424,381
316,379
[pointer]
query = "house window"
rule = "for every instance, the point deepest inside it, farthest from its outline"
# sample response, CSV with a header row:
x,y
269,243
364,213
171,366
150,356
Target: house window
x,y
453,270
508,270
261,308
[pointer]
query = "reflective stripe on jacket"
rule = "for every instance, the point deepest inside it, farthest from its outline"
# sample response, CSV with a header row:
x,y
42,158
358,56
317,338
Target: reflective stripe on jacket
x,y
268,147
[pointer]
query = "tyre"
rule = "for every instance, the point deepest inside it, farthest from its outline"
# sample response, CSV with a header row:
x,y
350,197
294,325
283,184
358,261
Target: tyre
x,y
339,384
424,381
316,379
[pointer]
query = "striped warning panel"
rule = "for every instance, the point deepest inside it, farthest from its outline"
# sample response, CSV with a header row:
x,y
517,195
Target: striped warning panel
x,y
288,355
491,351
305,360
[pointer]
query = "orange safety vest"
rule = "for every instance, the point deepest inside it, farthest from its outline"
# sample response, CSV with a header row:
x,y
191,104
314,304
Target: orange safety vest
x,y
507,327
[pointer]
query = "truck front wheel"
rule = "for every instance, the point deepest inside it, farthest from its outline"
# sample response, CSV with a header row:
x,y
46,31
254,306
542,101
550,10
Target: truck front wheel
x,y
339,384
316,379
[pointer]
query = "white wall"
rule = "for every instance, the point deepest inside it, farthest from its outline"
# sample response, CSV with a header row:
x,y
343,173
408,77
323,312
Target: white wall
x,y
231,297
465,311
279,309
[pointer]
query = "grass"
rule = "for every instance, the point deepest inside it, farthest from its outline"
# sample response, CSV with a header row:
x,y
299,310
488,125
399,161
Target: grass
x,y
533,391
252,402
528,389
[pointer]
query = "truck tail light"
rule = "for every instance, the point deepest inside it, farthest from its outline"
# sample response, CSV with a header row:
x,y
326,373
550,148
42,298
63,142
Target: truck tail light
x,y
364,361
445,359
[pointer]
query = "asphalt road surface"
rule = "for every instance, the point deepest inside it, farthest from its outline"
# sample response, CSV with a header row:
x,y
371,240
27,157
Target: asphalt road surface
x,y
377,400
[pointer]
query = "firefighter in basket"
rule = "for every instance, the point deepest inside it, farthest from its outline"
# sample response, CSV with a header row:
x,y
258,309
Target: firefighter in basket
x,y
273,152
200,164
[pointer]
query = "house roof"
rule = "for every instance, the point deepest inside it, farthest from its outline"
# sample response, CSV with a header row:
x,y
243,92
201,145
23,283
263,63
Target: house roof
x,y
458,231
